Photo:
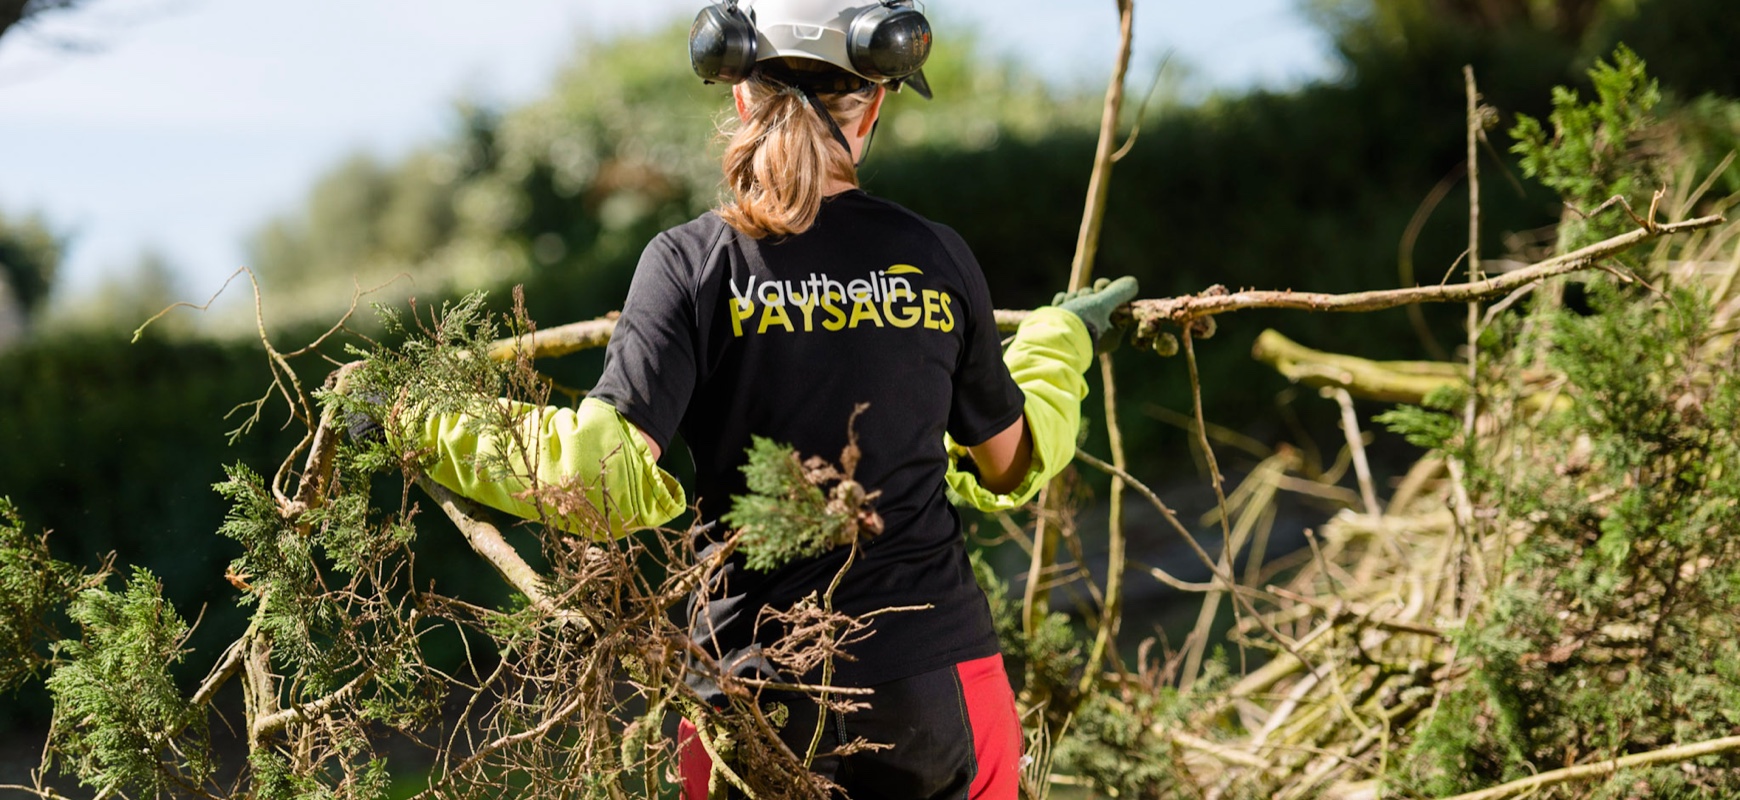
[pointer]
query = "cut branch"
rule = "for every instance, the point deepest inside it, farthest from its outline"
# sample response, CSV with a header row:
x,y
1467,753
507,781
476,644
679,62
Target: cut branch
x,y
487,540
1217,300
1387,381
558,341
579,336
220,674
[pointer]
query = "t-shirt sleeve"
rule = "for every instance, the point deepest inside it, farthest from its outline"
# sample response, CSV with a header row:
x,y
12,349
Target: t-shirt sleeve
x,y
986,399
650,364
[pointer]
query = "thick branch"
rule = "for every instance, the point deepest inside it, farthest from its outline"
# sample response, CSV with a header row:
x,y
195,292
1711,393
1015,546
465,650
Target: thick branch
x,y
1666,755
1222,753
317,472
488,542
578,336
1388,381
220,674
557,341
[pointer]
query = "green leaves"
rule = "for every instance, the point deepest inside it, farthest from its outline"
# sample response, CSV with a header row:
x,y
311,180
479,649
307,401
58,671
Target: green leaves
x,y
786,515
123,725
33,585
1591,153
1616,504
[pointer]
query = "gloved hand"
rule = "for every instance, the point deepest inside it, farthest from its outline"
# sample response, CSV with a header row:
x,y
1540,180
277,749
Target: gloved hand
x,y
1094,304
362,425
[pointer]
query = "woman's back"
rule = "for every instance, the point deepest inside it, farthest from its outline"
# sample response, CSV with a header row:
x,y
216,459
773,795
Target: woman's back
x,y
724,338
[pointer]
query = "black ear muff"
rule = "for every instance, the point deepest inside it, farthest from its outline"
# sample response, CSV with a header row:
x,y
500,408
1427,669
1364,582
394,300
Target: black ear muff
x,y
889,42
722,44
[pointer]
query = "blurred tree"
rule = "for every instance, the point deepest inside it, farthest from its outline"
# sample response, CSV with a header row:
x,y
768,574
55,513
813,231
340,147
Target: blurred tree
x,y
30,253
14,12
1411,24
123,301
1688,44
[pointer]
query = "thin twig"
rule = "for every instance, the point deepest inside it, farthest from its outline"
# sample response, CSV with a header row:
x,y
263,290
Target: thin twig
x,y
1106,633
1356,446
1100,181
1228,550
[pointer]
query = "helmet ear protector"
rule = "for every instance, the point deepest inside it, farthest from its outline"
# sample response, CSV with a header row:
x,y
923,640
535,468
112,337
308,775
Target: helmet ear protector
x,y
887,43
722,44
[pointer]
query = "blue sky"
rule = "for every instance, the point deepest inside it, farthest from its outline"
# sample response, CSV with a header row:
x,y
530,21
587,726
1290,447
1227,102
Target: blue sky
x,y
181,125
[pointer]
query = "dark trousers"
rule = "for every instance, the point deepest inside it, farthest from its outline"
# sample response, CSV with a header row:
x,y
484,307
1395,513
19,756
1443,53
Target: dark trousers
x,y
954,733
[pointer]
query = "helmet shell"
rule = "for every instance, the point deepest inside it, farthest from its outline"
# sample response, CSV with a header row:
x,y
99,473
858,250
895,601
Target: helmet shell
x,y
823,30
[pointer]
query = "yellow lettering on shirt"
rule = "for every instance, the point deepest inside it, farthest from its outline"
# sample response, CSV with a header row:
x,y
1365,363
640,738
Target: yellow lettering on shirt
x,y
838,321
948,316
741,308
808,306
772,315
864,310
932,308
909,313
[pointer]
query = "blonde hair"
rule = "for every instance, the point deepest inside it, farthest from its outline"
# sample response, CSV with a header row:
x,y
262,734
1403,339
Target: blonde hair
x,y
778,161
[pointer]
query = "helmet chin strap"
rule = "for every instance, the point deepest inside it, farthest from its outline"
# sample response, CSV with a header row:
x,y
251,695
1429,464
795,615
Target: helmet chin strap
x,y
834,127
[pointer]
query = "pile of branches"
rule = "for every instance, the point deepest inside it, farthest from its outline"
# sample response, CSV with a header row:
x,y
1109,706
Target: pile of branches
x,y
357,676
1542,606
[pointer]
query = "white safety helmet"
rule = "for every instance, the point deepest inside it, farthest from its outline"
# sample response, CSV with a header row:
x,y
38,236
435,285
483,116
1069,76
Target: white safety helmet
x,y
879,41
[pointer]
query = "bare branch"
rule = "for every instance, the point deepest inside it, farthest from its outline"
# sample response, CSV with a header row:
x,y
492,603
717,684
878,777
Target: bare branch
x,y
594,333
1218,301
1666,755
557,341
220,674
272,723
1099,183
1388,381
489,543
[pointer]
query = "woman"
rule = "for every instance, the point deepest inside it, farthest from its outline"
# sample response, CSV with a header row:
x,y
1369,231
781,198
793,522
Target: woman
x,y
777,314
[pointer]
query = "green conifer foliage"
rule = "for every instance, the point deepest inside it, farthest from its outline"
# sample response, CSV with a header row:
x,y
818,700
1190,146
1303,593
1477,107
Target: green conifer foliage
x,y
121,723
1597,150
787,514
1610,631
33,585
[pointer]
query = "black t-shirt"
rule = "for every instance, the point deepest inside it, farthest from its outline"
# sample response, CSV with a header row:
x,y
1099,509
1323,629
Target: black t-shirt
x,y
723,337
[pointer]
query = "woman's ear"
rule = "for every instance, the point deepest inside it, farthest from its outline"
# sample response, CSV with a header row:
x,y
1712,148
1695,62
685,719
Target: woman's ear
x,y
869,120
737,92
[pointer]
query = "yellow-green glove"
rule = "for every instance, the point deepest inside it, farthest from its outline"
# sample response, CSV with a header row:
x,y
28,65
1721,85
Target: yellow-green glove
x,y
595,474
1050,351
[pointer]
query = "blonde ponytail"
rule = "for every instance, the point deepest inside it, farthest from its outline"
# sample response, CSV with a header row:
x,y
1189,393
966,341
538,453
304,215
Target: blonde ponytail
x,y
779,161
